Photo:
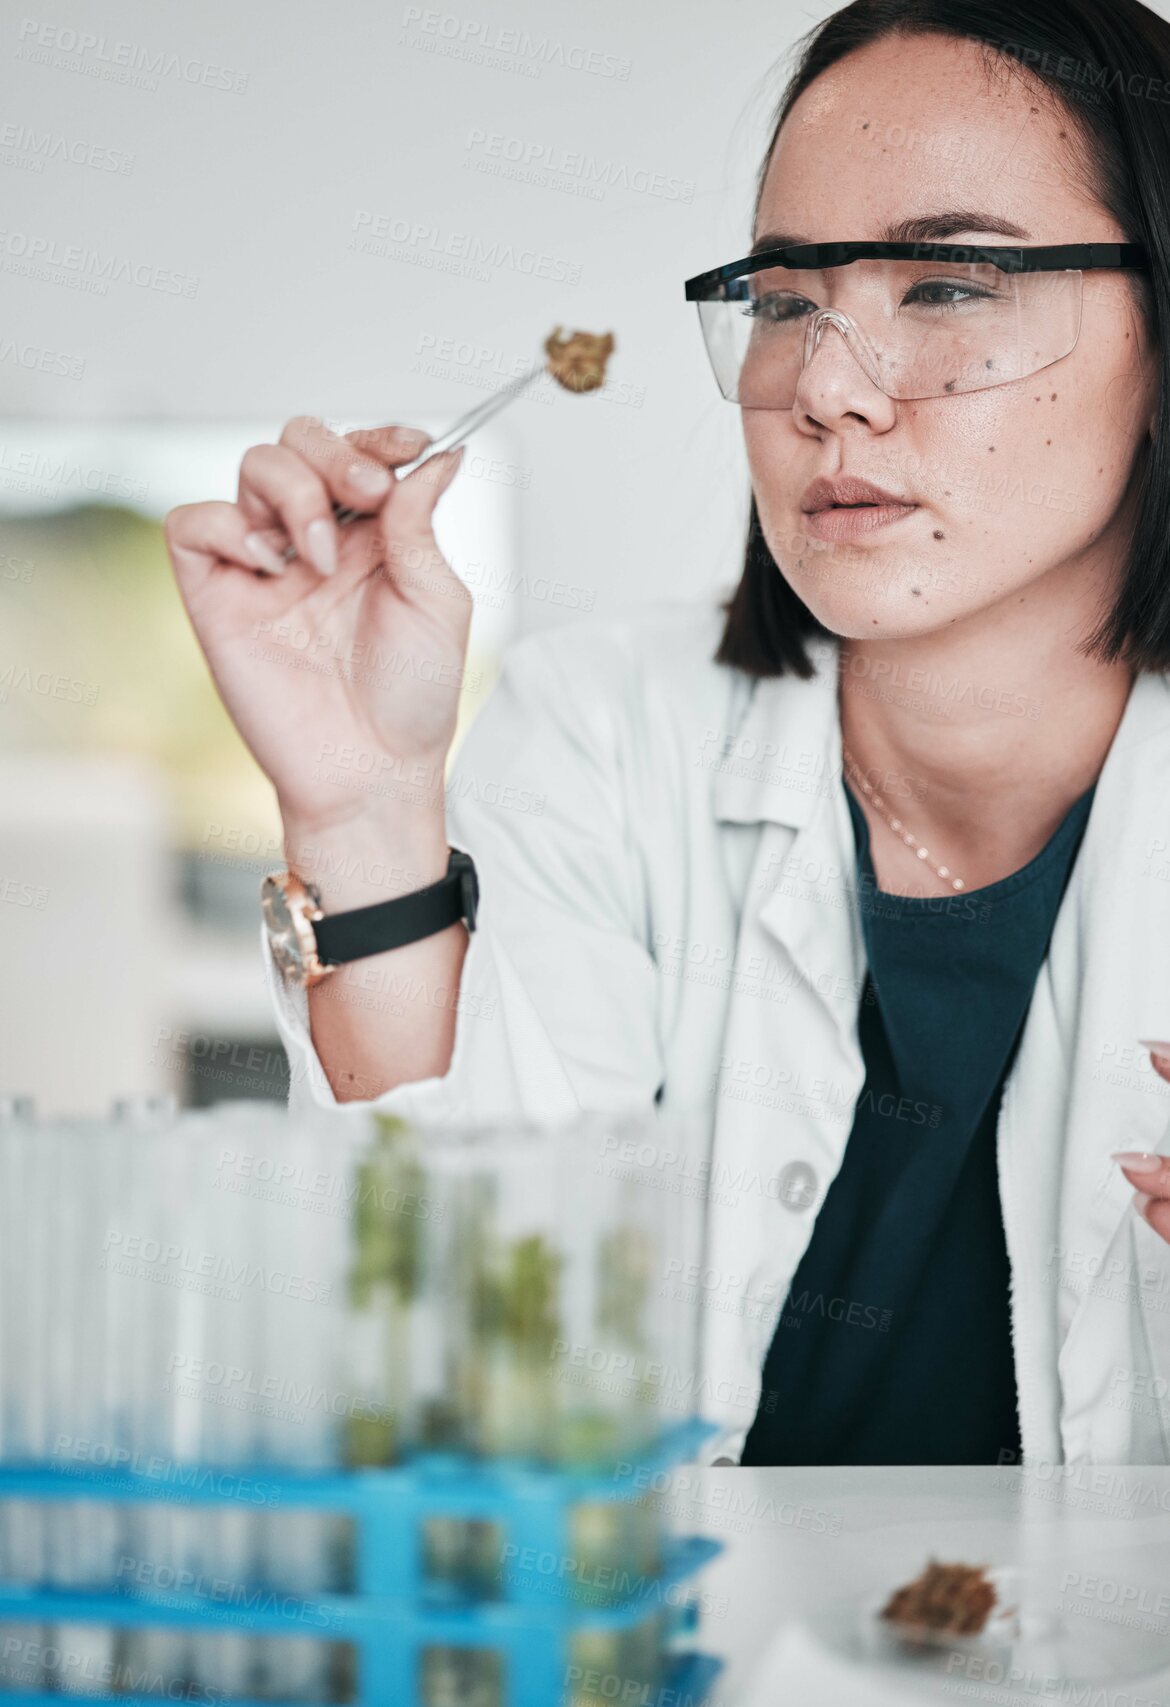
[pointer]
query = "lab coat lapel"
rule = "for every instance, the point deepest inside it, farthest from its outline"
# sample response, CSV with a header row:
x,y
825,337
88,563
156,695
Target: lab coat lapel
x,y
1109,985
784,767
791,1066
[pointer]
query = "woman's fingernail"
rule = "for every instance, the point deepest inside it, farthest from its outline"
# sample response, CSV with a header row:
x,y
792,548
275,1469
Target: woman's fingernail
x,y
1138,1161
367,478
322,545
1155,1047
1140,1202
263,554
413,439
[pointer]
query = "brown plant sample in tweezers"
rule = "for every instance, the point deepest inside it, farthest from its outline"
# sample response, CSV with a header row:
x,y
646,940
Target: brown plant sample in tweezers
x,y
578,361
954,1600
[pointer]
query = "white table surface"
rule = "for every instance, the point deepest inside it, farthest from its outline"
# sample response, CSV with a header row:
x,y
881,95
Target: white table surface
x,y
800,1541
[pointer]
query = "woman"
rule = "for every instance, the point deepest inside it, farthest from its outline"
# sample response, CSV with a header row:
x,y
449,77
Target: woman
x,y
848,863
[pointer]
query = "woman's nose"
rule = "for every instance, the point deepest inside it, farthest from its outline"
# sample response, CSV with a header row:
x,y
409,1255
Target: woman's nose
x,y
833,380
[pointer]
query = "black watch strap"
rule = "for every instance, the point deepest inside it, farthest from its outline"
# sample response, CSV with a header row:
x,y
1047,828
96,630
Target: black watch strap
x,y
342,937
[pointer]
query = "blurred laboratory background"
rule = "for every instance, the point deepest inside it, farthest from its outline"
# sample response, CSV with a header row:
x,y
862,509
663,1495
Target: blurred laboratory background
x,y
216,219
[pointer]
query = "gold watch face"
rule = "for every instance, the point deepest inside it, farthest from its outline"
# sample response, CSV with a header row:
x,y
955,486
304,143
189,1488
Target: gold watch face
x,y
289,930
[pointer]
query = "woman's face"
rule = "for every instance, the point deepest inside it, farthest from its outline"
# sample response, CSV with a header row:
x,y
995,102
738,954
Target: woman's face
x,y
1014,485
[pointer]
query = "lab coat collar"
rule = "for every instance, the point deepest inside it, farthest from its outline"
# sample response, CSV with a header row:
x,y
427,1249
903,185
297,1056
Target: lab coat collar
x,y
782,765
786,749
784,755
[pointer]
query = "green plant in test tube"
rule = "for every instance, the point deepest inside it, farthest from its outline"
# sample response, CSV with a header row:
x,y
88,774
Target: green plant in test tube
x,y
615,1541
516,1329
383,1281
627,1271
598,1433
617,1665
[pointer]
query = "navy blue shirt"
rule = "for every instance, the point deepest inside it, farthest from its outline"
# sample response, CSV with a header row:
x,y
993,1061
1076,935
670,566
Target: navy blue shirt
x,y
894,1343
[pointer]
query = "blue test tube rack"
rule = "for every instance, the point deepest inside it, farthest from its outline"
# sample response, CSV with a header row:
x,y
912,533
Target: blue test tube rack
x,y
393,1614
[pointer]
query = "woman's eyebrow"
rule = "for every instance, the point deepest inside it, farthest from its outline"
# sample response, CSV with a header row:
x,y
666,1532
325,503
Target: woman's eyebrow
x,y
920,228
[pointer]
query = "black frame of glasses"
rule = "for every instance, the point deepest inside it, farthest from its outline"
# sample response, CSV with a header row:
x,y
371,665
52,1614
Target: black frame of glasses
x,y
1059,257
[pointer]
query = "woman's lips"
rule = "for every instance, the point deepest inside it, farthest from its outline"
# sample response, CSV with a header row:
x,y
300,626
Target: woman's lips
x,y
854,521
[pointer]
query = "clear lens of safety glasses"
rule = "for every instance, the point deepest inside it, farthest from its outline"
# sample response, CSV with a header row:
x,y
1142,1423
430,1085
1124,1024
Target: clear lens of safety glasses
x,y
918,328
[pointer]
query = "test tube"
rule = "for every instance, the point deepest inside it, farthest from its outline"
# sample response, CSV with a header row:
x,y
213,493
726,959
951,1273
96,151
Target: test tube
x,y
163,1344
212,1359
23,1374
386,1328
86,1534
298,1251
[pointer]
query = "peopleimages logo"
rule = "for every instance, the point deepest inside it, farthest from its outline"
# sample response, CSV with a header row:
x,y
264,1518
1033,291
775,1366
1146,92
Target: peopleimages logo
x,y
139,1254
25,469
933,685
545,162
97,55
35,358
39,146
385,234
518,50
24,251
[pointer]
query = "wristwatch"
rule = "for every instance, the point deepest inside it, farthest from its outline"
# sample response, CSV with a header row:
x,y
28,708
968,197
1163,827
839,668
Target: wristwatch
x,y
307,946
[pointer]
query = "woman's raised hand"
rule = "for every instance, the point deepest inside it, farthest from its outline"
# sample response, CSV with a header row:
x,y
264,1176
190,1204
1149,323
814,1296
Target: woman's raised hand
x,y
354,646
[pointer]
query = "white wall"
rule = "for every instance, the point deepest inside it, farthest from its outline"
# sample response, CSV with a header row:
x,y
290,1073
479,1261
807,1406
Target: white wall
x,y
336,112
86,931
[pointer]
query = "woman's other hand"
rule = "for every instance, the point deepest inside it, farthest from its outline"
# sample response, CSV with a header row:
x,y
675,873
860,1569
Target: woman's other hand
x,y
1150,1174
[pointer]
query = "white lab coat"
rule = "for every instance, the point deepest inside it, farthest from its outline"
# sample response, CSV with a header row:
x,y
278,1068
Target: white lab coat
x,y
668,905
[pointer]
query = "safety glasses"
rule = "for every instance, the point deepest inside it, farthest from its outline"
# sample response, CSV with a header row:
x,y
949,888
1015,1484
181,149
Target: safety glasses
x,y
923,319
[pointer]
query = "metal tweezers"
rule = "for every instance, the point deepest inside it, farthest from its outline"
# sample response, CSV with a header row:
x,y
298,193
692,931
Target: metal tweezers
x,y
454,436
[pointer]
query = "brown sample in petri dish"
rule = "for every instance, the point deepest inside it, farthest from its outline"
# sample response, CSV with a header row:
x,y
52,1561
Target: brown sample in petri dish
x,y
953,1600
578,361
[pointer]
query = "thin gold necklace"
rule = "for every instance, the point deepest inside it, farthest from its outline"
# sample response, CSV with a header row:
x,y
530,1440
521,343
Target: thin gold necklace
x,y
897,825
